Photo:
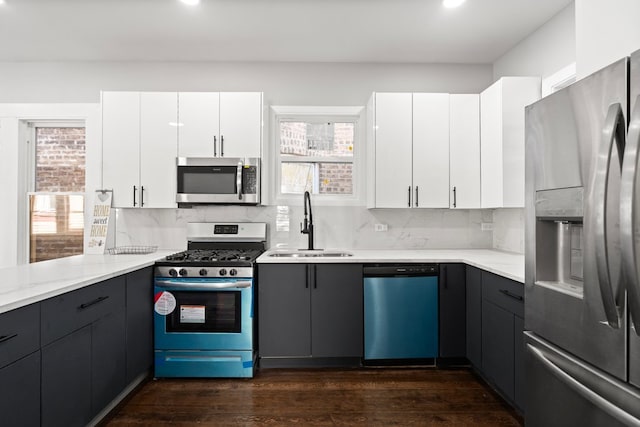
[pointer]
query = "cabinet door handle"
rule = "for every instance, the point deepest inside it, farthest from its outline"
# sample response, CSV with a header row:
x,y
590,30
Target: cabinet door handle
x,y
409,198
417,197
315,276
454,197
510,295
221,145
134,195
6,338
141,195
94,302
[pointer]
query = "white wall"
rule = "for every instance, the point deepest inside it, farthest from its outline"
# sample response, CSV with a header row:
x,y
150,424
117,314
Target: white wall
x,y
606,30
282,83
550,48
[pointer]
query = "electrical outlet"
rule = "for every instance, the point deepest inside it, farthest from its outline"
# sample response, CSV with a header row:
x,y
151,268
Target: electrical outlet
x,y
486,226
381,227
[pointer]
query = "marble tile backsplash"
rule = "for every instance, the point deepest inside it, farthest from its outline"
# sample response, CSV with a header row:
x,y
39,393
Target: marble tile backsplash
x,y
335,227
508,230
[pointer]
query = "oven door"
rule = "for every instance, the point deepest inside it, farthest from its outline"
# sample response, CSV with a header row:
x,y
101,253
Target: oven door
x,y
203,314
218,181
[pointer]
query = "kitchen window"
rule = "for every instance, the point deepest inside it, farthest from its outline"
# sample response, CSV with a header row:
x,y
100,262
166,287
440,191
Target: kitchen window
x,y
57,184
318,150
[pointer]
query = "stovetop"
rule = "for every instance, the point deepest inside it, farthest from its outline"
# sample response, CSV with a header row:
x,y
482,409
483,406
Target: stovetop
x,y
214,257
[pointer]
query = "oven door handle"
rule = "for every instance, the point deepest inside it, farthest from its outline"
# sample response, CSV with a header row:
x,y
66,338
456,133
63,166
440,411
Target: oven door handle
x,y
182,284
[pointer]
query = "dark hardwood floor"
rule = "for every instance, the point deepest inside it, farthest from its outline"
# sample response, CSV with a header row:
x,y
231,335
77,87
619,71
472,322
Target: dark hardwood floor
x,y
277,397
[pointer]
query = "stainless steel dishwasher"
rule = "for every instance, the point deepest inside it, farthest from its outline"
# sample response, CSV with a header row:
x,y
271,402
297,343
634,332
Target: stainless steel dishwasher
x,y
400,313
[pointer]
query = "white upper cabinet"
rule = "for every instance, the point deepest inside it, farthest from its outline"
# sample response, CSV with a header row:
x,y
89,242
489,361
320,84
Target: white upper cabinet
x,y
139,148
502,140
393,152
199,118
121,146
240,124
430,150
226,124
158,149
411,150
464,149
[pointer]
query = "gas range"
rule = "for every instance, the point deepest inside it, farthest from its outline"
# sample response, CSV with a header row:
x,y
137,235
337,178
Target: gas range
x,y
216,250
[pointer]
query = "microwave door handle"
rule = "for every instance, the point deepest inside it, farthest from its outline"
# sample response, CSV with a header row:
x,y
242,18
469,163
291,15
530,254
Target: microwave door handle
x,y
239,179
612,132
628,216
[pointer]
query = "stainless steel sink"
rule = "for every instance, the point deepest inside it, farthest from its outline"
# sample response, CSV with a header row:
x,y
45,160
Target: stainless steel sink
x,y
306,254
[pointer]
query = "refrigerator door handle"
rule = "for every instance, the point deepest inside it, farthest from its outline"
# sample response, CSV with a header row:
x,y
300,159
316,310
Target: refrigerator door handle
x,y
583,390
628,214
612,132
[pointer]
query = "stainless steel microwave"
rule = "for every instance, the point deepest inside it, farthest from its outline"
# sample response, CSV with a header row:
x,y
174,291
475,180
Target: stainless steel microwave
x,y
218,180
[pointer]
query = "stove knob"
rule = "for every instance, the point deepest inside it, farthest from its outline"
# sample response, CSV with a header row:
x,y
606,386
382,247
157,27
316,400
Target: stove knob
x,y
173,272
183,272
233,272
203,272
223,272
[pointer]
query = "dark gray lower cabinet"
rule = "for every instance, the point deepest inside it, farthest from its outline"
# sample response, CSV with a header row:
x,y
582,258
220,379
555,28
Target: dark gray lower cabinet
x,y
20,392
284,319
518,362
139,296
108,364
497,347
66,380
95,341
309,311
474,316
452,311
502,340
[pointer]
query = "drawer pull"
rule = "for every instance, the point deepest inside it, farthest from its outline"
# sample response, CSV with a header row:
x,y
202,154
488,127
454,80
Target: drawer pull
x,y
90,303
510,295
5,338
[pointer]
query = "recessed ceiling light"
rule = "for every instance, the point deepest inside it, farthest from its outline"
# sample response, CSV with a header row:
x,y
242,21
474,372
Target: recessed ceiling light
x,y
452,3
191,2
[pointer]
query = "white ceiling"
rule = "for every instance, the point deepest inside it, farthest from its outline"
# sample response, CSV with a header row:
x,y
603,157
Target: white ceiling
x,y
407,31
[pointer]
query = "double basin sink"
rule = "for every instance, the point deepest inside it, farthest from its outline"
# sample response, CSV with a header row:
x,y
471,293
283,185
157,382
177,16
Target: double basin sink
x,y
303,253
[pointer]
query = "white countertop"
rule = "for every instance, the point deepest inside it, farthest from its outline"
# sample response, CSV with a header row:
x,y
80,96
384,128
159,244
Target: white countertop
x,y
506,264
25,284
29,283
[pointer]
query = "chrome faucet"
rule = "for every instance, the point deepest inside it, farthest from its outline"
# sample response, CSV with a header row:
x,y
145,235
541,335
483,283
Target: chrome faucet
x,y
307,226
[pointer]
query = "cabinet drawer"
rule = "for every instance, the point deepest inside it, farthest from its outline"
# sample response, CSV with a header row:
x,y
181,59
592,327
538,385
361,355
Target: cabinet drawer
x,y
503,292
66,313
19,333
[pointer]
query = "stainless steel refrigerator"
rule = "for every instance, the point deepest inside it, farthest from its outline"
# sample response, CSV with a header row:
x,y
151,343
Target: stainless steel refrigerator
x,y
582,233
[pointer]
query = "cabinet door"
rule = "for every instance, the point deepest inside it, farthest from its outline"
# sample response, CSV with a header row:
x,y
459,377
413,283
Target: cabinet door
x,y
240,124
66,380
497,347
336,310
430,150
393,133
158,149
474,316
464,149
518,362
452,311
139,323
108,363
491,146
284,306
121,147
20,392
199,120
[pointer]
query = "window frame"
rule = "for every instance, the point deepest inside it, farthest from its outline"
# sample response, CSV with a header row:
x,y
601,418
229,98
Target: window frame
x,y
319,114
